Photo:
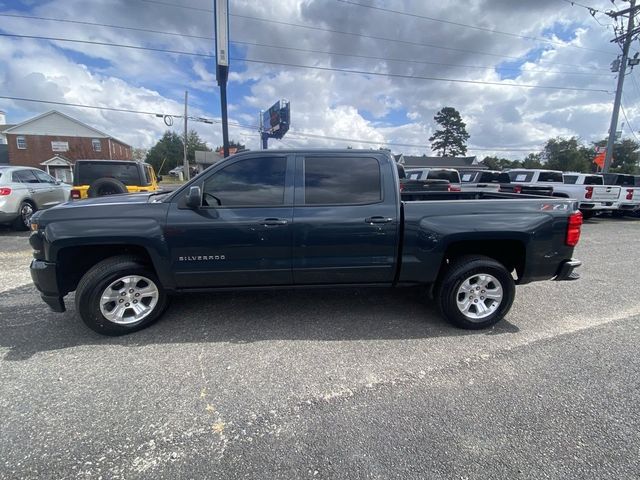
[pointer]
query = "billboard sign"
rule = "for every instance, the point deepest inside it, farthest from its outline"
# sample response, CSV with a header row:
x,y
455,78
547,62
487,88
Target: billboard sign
x,y
275,121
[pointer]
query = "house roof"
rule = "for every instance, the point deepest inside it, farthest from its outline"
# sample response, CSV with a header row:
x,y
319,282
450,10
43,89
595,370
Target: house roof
x,y
23,127
6,126
441,162
58,160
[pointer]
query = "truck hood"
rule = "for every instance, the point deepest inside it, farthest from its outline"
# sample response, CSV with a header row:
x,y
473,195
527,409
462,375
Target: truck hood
x,y
123,198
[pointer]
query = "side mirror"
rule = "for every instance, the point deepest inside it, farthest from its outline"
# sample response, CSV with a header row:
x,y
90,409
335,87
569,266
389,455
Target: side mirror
x,y
194,198
159,178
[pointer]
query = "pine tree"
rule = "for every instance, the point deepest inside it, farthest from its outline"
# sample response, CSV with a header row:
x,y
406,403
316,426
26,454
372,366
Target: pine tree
x,y
451,139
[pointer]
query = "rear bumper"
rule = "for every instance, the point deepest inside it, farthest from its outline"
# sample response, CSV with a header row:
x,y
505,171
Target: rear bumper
x,y
45,279
567,270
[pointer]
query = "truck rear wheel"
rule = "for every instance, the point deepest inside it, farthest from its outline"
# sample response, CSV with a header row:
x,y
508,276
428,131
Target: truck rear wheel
x,y
120,295
476,292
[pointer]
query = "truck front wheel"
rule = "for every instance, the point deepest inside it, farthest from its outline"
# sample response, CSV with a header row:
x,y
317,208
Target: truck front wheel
x,y
120,295
475,292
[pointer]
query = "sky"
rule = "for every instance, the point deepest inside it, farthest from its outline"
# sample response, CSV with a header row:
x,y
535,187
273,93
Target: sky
x,y
417,57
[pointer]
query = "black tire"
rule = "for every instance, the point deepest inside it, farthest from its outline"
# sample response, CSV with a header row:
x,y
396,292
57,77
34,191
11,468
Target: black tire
x,y
95,282
462,269
587,214
106,186
21,222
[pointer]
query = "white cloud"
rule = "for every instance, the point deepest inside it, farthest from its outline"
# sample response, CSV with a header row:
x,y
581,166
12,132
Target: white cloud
x,y
374,108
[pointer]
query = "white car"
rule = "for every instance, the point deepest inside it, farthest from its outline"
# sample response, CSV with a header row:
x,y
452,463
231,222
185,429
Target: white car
x,y
24,190
590,191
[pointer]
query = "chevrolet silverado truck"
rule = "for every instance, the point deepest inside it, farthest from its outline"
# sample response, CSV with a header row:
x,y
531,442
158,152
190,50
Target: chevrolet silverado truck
x,y
589,190
294,218
532,182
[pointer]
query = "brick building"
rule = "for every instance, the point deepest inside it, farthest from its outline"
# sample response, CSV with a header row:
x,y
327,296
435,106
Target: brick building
x,y
53,141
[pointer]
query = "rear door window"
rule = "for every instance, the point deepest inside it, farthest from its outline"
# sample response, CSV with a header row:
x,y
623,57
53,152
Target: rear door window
x,y
24,176
342,181
489,177
254,182
593,180
553,177
520,177
43,177
452,176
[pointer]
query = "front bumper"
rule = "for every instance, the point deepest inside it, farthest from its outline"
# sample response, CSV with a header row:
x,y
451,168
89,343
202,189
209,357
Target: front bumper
x,y
567,270
45,279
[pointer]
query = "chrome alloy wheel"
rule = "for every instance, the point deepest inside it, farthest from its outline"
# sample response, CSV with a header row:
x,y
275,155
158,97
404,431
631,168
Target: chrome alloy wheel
x,y
479,296
25,213
129,299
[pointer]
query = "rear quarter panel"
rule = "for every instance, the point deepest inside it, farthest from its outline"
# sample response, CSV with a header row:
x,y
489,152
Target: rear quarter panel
x,y
432,227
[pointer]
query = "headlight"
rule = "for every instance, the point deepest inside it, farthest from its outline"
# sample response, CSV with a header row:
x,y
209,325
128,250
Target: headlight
x,y
34,227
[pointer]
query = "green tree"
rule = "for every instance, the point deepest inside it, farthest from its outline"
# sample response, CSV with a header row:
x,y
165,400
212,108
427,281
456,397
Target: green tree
x,y
568,155
194,142
626,155
533,160
232,143
497,163
139,154
167,153
451,138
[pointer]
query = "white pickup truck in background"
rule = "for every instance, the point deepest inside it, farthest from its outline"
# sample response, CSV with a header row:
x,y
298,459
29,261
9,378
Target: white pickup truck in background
x,y
589,189
629,199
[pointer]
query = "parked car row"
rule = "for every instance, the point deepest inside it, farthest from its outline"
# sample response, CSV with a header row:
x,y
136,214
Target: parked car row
x,y
596,192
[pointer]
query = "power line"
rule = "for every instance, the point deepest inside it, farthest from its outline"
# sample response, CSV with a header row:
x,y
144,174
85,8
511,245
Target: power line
x,y
107,44
421,62
240,42
386,39
624,113
95,24
361,35
243,126
417,77
474,27
333,69
577,4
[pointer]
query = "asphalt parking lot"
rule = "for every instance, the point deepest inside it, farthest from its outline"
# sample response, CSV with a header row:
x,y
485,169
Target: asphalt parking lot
x,y
331,384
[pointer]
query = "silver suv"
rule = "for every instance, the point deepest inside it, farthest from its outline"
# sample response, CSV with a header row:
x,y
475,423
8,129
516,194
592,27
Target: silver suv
x,y
23,190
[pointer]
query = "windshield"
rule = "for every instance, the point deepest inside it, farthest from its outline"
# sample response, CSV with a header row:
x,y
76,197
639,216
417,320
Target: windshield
x,y
593,180
88,172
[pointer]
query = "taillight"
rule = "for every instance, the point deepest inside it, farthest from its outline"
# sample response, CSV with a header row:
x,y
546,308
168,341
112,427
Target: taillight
x,y
629,193
75,194
517,189
454,188
5,191
589,193
401,187
573,229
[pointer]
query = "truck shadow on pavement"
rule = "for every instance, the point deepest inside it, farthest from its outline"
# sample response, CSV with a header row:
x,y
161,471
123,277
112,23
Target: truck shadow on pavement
x,y
28,327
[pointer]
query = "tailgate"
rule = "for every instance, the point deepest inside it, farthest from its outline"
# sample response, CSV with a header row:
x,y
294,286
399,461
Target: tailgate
x,y
605,193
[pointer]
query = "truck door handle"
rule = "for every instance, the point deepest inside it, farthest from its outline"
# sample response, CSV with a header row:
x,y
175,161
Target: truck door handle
x,y
268,222
378,220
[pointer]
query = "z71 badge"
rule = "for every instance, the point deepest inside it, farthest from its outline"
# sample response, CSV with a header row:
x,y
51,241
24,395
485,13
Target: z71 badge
x,y
200,258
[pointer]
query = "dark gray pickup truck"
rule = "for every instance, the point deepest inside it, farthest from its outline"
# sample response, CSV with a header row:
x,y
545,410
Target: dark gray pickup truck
x,y
287,218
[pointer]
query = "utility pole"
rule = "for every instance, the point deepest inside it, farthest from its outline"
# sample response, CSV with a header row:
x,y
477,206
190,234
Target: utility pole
x,y
628,36
185,160
221,14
